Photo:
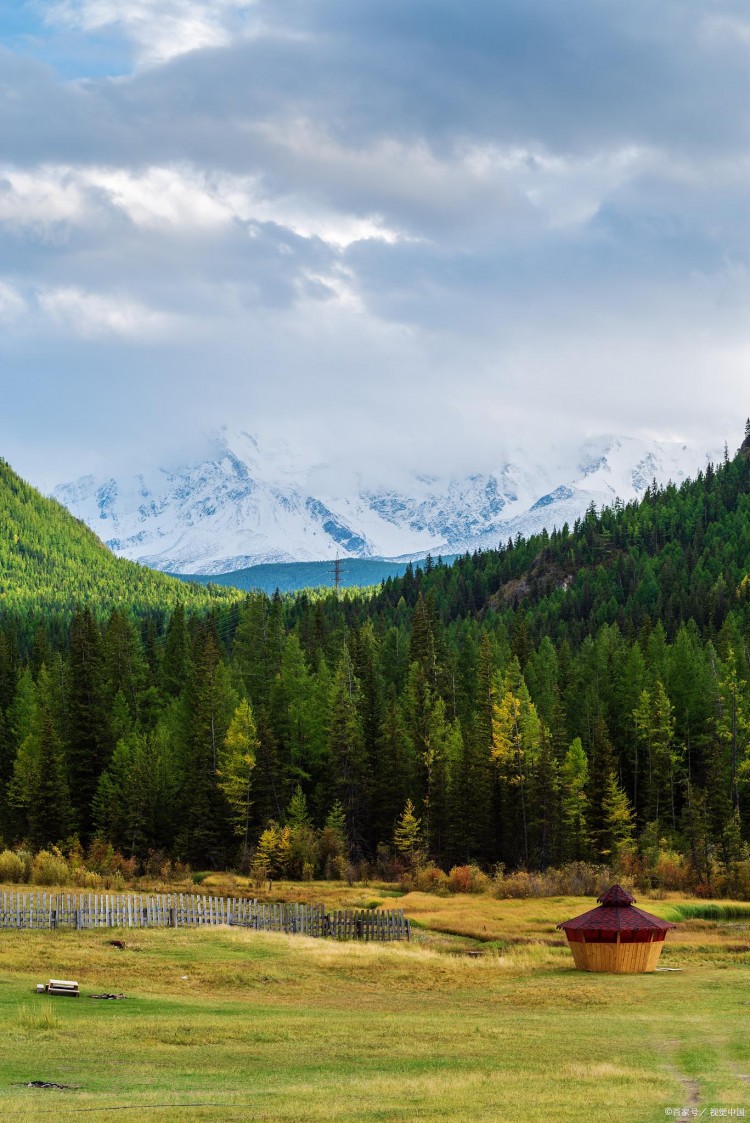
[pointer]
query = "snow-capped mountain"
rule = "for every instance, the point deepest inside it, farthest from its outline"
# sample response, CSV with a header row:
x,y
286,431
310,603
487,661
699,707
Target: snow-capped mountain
x,y
241,504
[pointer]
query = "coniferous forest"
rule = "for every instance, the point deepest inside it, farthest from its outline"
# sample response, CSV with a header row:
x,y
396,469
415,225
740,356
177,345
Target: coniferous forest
x,y
581,695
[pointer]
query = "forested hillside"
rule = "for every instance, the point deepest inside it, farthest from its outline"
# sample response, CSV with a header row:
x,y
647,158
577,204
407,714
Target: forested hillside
x,y
581,695
51,562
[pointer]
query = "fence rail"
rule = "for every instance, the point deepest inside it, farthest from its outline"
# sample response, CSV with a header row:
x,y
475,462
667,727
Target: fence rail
x,y
192,910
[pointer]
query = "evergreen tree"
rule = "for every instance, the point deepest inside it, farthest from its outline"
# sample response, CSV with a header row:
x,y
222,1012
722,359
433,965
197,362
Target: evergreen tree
x,y
297,814
176,663
41,789
516,734
351,777
574,779
336,821
407,837
211,702
601,763
235,770
619,823
88,733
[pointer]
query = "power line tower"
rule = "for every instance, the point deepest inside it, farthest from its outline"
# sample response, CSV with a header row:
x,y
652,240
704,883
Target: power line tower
x,y
336,573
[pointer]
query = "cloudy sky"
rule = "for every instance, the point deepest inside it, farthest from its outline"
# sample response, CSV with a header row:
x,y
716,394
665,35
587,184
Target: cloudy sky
x,y
406,230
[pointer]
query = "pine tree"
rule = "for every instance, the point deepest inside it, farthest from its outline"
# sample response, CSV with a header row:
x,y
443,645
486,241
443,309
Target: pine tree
x,y
394,767
47,798
8,670
252,650
365,657
407,837
516,733
176,662
211,702
88,733
469,798
265,860
619,822
134,807
336,838
297,814
235,770
123,663
422,642
574,781
733,725
350,770
601,764
544,796
6,772
284,851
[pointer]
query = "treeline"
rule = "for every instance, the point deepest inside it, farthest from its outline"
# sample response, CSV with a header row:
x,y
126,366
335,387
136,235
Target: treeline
x,y
591,703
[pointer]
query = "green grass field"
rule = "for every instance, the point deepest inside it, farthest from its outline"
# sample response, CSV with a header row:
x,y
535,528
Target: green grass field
x,y
226,1024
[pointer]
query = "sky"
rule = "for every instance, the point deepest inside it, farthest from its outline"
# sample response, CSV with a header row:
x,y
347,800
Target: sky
x,y
403,232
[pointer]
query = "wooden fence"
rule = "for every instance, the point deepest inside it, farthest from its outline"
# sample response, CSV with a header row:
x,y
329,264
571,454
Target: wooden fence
x,y
192,910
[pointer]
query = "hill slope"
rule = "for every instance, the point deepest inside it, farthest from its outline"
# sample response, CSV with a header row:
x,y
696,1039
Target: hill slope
x,y
291,577
678,554
50,562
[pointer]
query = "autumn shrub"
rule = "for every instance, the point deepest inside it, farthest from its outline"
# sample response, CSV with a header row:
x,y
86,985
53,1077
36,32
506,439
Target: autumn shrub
x,y
27,858
259,874
128,867
86,879
330,845
303,850
467,879
12,868
576,879
335,868
734,882
388,867
100,856
152,867
50,868
430,879
519,883
672,871
581,879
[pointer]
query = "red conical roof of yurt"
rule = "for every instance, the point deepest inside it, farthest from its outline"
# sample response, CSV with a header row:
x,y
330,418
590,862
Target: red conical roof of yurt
x,y
616,913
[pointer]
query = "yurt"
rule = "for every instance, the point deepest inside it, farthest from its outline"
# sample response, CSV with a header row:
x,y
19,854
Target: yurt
x,y
616,936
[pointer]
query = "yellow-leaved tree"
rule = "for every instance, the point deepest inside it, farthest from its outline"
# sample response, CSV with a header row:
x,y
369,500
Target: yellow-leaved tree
x,y
407,836
235,771
516,736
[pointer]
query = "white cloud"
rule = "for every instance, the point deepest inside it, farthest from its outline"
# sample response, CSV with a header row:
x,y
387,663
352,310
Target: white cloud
x,y
160,29
92,315
426,225
180,198
12,304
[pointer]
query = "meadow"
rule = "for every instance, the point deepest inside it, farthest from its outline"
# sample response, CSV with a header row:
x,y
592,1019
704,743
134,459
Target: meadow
x,y
481,1016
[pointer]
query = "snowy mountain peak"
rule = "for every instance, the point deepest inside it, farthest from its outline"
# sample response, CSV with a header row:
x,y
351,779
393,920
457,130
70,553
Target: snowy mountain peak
x,y
242,503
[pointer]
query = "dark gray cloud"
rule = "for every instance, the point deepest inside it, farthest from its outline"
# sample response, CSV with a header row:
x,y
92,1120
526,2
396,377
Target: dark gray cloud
x,y
307,213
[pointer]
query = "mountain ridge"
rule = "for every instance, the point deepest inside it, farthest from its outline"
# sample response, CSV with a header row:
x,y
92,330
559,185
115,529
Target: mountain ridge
x,y
240,506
